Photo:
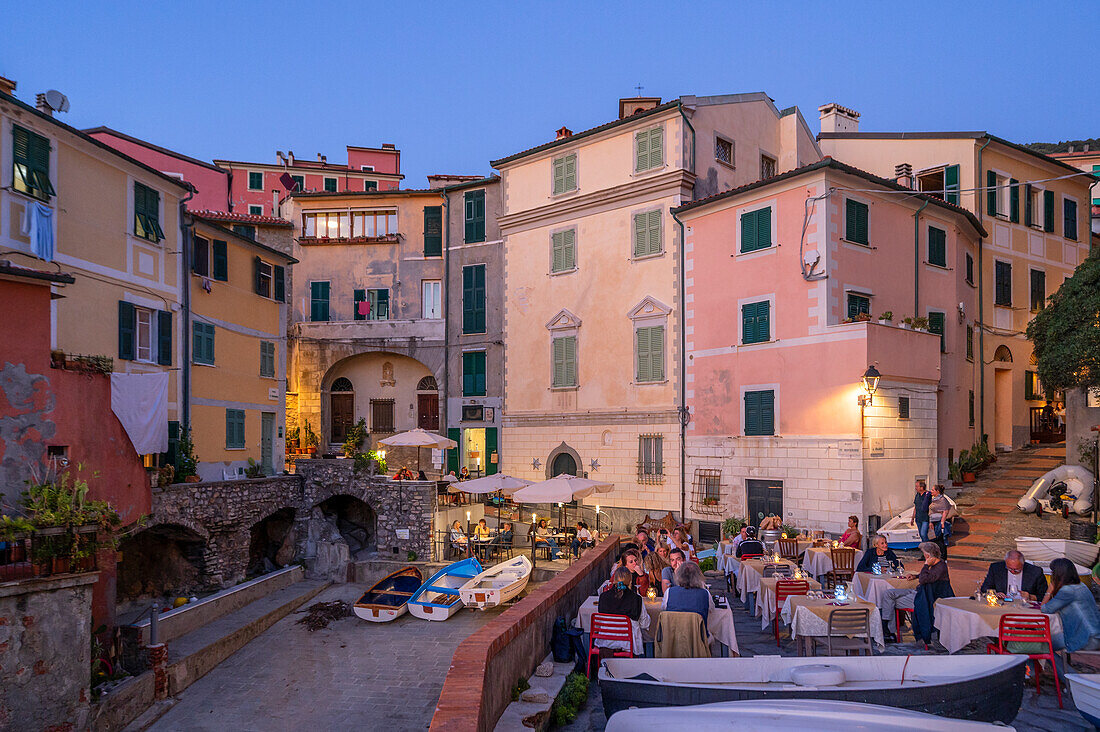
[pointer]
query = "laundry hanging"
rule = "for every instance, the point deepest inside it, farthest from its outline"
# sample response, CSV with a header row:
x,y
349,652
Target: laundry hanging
x,y
37,225
140,401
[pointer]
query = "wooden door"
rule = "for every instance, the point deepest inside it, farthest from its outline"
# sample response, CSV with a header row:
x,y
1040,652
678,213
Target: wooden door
x,y
765,497
343,412
267,442
427,411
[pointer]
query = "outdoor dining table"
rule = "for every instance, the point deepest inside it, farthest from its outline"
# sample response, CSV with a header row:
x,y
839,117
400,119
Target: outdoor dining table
x,y
961,620
808,618
725,561
818,560
765,598
751,572
719,621
871,587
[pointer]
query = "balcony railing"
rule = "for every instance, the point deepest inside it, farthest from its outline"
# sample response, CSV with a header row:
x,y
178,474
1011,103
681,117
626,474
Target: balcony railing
x,y
48,552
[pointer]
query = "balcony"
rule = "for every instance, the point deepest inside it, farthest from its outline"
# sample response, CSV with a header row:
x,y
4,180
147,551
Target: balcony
x,y
374,330
313,241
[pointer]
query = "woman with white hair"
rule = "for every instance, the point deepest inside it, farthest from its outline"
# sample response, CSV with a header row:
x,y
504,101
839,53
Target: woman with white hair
x,y
690,593
934,570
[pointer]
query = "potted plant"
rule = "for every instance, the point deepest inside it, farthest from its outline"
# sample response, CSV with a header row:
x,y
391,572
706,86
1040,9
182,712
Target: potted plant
x,y
907,323
356,435
292,441
187,463
886,317
920,323
861,318
710,501
311,439
254,469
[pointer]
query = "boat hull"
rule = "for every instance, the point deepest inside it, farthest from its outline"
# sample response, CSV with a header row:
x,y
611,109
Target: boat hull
x,y
992,698
379,614
435,612
1085,689
388,598
438,598
497,585
1046,550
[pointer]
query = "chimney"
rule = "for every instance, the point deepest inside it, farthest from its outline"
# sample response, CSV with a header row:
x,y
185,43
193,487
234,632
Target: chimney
x,y
388,146
903,174
320,158
835,118
41,105
280,157
563,133
290,157
7,86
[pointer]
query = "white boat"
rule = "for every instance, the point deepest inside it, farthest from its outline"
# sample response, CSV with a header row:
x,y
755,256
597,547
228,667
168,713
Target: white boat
x,y
1077,485
796,715
901,535
438,598
1037,550
498,584
1085,689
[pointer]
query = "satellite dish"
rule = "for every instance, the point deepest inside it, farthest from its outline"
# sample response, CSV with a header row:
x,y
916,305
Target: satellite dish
x,y
58,102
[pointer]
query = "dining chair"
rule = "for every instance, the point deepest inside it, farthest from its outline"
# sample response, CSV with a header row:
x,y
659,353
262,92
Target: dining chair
x,y
788,548
849,630
608,627
783,590
844,565
1027,634
777,570
681,635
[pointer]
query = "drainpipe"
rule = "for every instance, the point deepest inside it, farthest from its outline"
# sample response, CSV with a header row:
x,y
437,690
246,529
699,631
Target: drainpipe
x,y
916,259
682,411
691,158
185,285
446,314
981,296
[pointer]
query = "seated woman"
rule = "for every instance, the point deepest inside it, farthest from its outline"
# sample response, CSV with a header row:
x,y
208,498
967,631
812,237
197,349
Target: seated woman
x,y
881,554
458,536
1075,605
654,565
481,531
852,537
543,537
631,560
895,598
621,599
504,538
690,593
583,539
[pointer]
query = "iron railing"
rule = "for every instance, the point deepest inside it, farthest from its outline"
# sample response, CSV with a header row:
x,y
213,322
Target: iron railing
x,y
48,552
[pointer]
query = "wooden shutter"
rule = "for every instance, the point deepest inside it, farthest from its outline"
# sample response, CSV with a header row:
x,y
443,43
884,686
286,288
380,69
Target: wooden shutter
x,y
1028,213
319,301
571,172
279,278
759,413
1048,211
257,280
479,298
657,352
1014,201
433,231
855,222
951,184
491,450
569,249
653,225
127,327
1069,221
641,151
639,234
991,193
936,325
1038,289
558,357
380,304
643,370
21,145
221,261
164,338
467,374
468,317
474,206
559,175
565,361
937,246
748,231
452,453
357,296
764,228
755,325
1003,284
656,147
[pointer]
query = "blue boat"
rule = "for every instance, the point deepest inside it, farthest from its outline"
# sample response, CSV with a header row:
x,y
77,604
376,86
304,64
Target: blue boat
x,y
438,598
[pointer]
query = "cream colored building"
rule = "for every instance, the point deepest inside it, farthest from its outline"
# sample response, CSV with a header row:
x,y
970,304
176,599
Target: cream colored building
x,y
1037,221
1088,161
592,267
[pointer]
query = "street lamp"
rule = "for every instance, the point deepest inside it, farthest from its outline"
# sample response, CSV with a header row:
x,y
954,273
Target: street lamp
x,y
870,385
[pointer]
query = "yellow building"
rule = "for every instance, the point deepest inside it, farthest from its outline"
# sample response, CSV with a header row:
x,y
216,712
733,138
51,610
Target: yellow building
x,y
110,220
237,351
592,265
1089,161
1038,224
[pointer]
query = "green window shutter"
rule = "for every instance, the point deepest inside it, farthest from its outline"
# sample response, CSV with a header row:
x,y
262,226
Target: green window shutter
x,y
473,299
759,412
202,341
1002,291
1038,289
474,206
755,325
31,163
639,234
559,175
656,147
641,151
452,453
969,343
1029,385
234,429
257,276
279,278
564,250
127,327
855,222
936,325
558,359
318,301
937,246
858,305
491,450
571,172
479,373
1048,211
164,338
267,359
969,268
330,185
255,181
653,225
971,407
433,231
1014,201
1069,223
951,184
357,297
473,373
991,193
749,222
764,228
565,361
643,369
1028,213
467,375
657,352
221,261
379,304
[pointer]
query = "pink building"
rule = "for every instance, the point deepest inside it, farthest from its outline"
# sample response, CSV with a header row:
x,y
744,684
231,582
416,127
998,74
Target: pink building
x,y
259,188
806,263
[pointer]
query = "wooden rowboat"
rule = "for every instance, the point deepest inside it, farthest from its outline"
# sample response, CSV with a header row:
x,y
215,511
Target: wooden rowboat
x,y
438,598
1036,549
388,598
498,584
1086,696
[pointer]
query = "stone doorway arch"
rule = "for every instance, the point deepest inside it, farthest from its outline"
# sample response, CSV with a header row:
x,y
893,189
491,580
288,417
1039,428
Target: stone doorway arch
x,y
562,458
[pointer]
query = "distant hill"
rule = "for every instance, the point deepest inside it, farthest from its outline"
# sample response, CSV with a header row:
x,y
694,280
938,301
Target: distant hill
x,y
1060,147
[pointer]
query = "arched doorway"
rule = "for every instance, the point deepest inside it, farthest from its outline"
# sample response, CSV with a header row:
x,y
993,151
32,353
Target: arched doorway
x,y
564,464
1003,405
342,402
563,459
427,404
272,542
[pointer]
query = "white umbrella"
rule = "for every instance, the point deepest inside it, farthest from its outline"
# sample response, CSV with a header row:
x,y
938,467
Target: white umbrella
x,y
418,438
561,489
492,484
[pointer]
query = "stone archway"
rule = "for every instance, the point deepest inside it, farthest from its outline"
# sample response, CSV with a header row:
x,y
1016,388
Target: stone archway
x,y
164,559
271,542
559,460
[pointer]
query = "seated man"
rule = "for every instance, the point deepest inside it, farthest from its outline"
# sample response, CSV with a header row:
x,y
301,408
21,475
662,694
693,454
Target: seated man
x,y
668,575
934,570
880,554
751,545
582,540
645,544
1015,577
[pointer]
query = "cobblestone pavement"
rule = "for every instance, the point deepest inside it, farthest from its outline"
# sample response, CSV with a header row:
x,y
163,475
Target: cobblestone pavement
x,y
1037,713
351,675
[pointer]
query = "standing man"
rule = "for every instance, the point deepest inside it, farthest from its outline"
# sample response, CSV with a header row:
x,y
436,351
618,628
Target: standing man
x,y
921,502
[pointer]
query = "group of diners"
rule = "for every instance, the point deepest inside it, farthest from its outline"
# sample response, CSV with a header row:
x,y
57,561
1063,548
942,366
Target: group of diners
x,y
481,537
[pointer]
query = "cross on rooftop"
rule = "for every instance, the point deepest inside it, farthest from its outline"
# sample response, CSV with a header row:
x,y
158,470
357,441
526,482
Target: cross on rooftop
x,y
639,89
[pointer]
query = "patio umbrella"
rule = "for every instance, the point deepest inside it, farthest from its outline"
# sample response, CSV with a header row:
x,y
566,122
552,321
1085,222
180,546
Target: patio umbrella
x,y
496,483
562,488
418,438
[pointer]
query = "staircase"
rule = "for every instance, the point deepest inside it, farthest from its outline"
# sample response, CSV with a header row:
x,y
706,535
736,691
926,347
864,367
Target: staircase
x,y
990,520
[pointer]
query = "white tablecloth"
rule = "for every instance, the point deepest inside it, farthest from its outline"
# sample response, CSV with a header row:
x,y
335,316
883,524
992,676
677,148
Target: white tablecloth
x,y
872,587
961,620
819,561
765,599
807,622
748,577
724,559
719,622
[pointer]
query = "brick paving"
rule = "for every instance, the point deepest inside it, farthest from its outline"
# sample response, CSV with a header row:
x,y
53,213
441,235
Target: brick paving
x,y
351,675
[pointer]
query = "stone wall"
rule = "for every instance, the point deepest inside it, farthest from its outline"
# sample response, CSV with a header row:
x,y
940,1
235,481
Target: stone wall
x,y
45,654
1080,419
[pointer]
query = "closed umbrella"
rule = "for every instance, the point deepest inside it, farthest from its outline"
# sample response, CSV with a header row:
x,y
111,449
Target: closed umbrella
x,y
419,438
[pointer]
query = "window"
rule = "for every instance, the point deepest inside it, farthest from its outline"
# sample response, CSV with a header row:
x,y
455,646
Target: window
x,y
937,246
649,354
756,230
267,359
234,429
254,210
381,415
431,298
565,173
147,213
474,216
299,182
202,350
994,185
969,343
433,231
144,335
330,185
246,230
1031,205
563,254
651,462
144,339
344,225
969,268
473,298
647,233
371,304
943,183
318,301
1069,218
937,324
1002,290
220,263
200,257
370,185
1038,290
903,407
31,163
255,181
855,221
756,322
473,373
1033,390
768,167
858,305
971,407
724,151
280,283
565,361
1048,211
263,274
648,149
760,412
367,168
1014,201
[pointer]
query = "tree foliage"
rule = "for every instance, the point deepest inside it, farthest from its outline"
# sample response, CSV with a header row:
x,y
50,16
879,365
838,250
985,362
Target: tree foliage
x,y
1066,333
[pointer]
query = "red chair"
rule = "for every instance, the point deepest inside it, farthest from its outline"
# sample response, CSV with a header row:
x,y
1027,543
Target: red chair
x,y
610,628
750,556
783,590
1027,629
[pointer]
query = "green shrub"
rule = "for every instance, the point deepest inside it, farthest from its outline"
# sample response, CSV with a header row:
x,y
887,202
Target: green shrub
x,y
571,699
521,686
733,525
708,565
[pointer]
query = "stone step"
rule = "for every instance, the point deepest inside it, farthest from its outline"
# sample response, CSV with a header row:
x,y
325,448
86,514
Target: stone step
x,y
964,551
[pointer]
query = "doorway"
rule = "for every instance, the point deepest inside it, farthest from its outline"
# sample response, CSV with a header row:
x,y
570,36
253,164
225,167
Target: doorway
x,y
267,442
473,450
564,464
342,403
1002,409
427,412
765,497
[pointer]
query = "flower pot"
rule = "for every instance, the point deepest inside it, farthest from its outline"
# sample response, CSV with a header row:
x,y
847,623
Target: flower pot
x,y
906,326
969,477
192,479
60,565
883,321
41,568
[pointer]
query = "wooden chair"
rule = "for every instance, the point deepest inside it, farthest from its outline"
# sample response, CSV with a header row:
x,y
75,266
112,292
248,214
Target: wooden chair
x,y
844,566
1034,630
783,590
777,570
846,626
610,628
788,548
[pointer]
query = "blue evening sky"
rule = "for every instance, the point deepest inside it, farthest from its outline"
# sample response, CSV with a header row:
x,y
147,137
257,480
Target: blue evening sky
x,y
455,85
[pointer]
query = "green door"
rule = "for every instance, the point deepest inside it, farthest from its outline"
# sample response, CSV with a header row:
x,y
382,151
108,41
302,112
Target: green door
x,y
267,442
452,454
492,460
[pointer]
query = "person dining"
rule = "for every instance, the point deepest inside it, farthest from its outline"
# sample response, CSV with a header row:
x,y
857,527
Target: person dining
x,y
690,593
921,502
654,565
458,536
631,559
940,514
663,538
544,538
1014,577
481,531
464,474
895,598
676,558
751,545
582,540
881,554
503,539
645,544
621,599
852,537
1074,604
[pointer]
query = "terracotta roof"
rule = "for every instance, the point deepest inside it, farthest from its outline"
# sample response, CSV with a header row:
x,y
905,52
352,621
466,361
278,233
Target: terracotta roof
x,y
239,218
334,168
1076,154
585,133
7,268
248,241
473,183
833,164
